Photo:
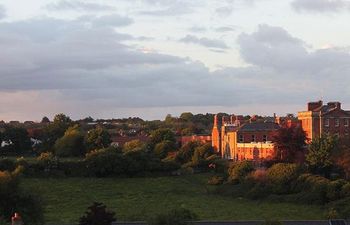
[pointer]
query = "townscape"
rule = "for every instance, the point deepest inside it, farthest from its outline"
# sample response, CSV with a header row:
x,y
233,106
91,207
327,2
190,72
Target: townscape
x,y
174,112
288,160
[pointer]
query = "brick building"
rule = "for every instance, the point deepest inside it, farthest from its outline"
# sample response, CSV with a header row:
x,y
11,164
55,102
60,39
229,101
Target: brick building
x,y
237,139
325,119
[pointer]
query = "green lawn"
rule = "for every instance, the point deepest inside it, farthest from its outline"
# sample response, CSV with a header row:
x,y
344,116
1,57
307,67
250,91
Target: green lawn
x,y
138,198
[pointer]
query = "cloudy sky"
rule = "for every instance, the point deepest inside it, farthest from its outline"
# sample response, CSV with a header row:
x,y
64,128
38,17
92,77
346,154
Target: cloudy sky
x,y
148,58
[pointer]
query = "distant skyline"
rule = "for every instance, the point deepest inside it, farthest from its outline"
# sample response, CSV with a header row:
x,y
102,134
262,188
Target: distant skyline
x,y
150,58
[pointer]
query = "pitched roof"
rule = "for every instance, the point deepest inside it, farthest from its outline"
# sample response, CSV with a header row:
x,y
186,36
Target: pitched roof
x,y
259,126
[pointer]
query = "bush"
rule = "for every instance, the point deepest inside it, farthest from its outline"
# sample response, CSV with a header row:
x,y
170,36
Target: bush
x,y
215,180
174,217
239,170
341,208
345,191
334,191
97,214
281,176
47,161
7,164
312,188
105,162
14,199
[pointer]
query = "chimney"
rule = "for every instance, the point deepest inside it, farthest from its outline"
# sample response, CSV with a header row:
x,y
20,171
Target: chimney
x,y
232,119
223,120
333,105
311,106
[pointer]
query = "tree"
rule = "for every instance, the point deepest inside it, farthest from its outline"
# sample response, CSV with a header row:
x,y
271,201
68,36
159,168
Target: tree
x,y
186,152
174,217
163,148
321,154
45,120
187,116
290,144
71,144
16,199
133,146
160,135
97,138
97,214
18,140
55,130
201,153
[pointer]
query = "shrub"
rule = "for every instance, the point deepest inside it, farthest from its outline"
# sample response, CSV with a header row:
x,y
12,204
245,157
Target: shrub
x,y
259,175
334,190
174,217
313,188
215,180
7,164
47,161
14,199
239,170
281,175
345,191
341,208
104,162
97,214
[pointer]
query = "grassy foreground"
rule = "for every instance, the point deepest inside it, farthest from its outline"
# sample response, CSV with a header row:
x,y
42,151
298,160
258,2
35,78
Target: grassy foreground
x,y
138,198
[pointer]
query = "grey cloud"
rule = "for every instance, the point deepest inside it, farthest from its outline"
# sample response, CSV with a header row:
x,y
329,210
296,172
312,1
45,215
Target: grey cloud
x,y
272,47
224,29
211,43
90,67
112,20
2,12
197,29
77,5
320,5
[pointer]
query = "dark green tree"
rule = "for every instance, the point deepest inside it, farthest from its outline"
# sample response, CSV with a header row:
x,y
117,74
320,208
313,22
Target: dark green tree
x,y
187,116
54,131
290,144
160,135
163,148
18,140
174,217
97,214
45,120
97,138
321,152
71,144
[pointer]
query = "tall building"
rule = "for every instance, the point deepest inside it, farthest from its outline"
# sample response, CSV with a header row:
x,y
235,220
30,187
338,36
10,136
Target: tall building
x,y
325,119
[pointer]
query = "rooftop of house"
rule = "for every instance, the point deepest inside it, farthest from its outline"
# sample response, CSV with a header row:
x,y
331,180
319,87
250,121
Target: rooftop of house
x,y
259,126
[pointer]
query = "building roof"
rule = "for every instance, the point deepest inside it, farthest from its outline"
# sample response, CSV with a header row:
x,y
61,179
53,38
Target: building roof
x,y
259,126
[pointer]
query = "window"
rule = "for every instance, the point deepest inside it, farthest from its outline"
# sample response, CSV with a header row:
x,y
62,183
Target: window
x,y
264,138
253,138
346,122
326,122
241,139
336,122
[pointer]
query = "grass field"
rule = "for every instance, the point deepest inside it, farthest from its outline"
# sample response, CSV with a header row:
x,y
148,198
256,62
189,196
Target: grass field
x,y
138,198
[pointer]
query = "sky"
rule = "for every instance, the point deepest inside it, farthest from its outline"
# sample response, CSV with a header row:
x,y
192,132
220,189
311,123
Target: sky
x,y
150,58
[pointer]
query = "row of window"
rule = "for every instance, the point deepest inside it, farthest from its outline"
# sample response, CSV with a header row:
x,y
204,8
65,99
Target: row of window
x,y
337,122
253,138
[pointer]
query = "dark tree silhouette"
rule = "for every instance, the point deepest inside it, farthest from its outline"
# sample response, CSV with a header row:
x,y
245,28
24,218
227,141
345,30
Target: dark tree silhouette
x,y
290,144
97,214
